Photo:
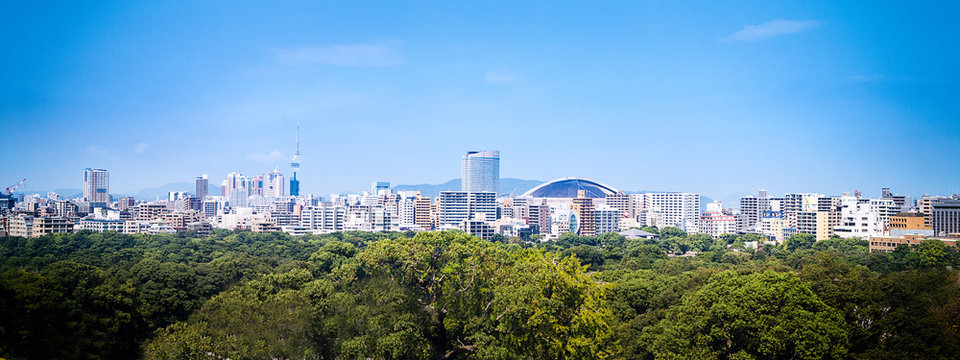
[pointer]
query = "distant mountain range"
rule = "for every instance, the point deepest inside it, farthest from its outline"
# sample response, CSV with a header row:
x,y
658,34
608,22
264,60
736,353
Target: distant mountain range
x,y
161,191
507,186
143,194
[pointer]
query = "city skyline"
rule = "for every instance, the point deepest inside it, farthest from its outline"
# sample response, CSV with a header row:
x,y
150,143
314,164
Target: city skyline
x,y
718,99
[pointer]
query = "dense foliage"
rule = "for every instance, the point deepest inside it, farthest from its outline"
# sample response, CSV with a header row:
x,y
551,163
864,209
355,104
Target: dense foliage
x,y
241,295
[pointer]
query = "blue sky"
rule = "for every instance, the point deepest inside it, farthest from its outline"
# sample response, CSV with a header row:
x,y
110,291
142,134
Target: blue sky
x,y
712,97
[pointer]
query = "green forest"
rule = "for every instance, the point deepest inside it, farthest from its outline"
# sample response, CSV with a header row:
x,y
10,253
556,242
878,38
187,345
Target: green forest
x,y
448,295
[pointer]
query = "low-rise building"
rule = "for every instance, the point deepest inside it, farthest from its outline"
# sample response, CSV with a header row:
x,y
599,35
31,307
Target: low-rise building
x,y
889,244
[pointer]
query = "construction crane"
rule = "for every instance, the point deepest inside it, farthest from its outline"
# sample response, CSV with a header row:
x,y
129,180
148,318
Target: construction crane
x,y
13,188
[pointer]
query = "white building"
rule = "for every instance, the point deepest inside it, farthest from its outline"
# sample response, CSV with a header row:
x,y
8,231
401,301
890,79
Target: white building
x,y
681,210
716,222
607,219
324,218
273,184
864,217
456,206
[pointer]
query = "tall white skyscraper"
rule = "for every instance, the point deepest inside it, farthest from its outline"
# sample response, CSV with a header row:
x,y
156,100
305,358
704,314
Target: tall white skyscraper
x,y
481,171
96,185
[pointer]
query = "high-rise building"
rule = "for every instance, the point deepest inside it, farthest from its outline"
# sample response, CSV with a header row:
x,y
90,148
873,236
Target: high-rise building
x,y
926,207
585,210
236,189
96,186
817,223
295,167
376,186
273,184
681,210
606,219
480,171
539,215
623,202
201,183
324,218
456,206
421,212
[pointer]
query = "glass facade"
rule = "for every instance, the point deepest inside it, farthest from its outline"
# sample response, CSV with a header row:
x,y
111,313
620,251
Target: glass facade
x,y
481,171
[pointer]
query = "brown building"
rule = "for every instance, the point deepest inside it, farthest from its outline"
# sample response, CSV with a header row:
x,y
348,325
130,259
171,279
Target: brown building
x,y
585,210
888,244
909,221
421,212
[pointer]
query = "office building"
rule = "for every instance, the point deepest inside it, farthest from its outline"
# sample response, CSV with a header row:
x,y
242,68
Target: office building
x,y
201,184
926,207
96,187
945,215
480,171
273,184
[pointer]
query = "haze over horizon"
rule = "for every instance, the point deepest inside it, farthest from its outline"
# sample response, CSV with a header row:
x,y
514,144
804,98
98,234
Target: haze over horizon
x,y
704,97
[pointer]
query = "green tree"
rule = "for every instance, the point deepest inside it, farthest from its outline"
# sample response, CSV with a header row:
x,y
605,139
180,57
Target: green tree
x,y
932,253
767,315
799,241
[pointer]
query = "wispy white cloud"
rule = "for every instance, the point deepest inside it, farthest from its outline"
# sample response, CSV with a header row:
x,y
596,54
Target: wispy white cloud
x,y
96,150
376,55
771,29
140,148
496,77
266,157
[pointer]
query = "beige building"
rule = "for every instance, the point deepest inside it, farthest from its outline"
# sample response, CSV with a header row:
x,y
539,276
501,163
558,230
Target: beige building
x,y
147,212
29,226
422,212
888,244
817,223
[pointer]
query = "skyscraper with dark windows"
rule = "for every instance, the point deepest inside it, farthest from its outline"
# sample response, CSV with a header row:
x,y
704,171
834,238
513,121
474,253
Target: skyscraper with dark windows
x,y
202,184
480,171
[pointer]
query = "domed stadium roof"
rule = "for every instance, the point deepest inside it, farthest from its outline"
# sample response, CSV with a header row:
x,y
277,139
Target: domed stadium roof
x,y
567,188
